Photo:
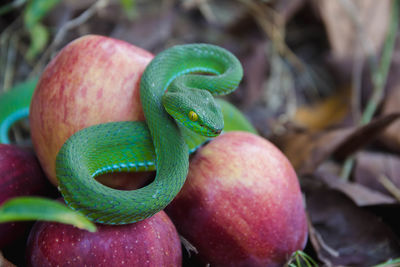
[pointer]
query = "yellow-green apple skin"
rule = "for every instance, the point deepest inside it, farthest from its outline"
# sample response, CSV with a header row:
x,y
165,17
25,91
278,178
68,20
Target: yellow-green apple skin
x,y
241,204
92,80
148,243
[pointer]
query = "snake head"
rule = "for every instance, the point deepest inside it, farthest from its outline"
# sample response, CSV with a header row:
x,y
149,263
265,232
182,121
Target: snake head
x,y
196,109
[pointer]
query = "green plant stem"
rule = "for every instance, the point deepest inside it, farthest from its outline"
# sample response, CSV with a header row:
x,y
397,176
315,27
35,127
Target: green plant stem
x,y
381,74
379,79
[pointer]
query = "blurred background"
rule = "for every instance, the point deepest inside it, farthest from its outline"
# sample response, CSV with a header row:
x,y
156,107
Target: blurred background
x,y
320,81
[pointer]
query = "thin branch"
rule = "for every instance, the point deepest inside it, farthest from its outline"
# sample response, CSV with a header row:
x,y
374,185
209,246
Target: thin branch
x,y
91,11
5,39
319,244
188,246
10,62
274,30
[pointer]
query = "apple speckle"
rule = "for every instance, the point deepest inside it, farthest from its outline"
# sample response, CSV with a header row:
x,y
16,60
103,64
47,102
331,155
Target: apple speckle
x,y
246,213
71,96
128,245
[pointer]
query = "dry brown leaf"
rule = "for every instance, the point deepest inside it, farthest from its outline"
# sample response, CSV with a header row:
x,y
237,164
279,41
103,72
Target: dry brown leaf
x,y
341,18
370,166
361,195
364,135
326,113
307,150
344,234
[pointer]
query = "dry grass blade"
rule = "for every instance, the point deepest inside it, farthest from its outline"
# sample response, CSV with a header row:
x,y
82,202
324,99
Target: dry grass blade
x,y
379,80
390,186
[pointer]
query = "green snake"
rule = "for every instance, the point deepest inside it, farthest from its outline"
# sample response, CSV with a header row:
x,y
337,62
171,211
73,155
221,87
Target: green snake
x,y
176,93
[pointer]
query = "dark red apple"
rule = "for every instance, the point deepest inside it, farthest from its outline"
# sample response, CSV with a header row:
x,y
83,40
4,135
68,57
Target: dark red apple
x,y
152,242
241,204
20,175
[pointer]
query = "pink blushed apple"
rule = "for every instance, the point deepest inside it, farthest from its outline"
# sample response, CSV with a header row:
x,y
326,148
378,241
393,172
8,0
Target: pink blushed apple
x,y
94,79
241,204
152,242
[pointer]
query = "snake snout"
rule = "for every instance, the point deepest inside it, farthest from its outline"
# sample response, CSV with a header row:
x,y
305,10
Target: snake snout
x,y
214,132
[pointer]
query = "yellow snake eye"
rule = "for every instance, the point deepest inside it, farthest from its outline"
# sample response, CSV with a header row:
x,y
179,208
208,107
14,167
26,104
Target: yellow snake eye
x,y
193,116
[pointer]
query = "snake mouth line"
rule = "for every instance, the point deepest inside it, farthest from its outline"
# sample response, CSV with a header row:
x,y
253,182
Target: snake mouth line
x,y
217,132
214,132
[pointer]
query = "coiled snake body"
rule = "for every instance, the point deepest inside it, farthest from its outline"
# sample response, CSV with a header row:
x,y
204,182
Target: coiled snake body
x,y
176,94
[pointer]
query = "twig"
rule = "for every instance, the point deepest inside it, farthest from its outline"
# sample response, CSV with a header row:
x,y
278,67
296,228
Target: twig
x,y
319,244
379,80
87,14
275,31
273,25
188,246
204,8
5,39
10,62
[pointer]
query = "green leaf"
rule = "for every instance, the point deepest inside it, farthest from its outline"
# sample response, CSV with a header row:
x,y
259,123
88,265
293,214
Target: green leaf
x,y
233,118
39,37
4,9
15,106
36,208
35,10
129,7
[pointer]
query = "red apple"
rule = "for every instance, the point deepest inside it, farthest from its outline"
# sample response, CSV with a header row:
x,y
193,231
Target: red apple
x,y
20,175
152,242
241,204
92,80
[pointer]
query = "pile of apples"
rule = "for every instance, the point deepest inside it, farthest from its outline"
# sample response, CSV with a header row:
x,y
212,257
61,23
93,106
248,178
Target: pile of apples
x,y
241,204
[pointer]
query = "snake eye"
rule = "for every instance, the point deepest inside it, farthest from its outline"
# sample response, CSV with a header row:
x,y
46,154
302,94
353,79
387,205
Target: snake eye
x,y
193,116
